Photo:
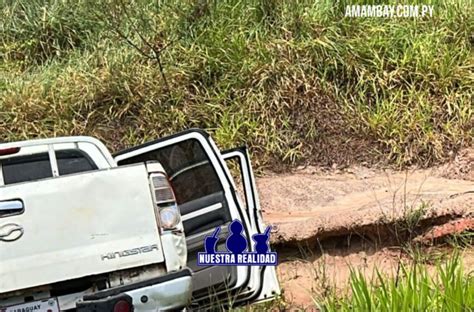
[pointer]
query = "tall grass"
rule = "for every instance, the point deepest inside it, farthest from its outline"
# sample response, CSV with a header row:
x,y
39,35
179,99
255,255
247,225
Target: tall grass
x,y
295,80
414,288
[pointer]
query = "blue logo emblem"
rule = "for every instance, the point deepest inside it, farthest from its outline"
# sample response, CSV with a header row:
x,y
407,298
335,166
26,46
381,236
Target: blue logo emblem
x,y
237,252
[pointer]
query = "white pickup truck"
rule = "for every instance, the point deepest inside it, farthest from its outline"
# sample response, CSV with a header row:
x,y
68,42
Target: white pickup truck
x,y
82,230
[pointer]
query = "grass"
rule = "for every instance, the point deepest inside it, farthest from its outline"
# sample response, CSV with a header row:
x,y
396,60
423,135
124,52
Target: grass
x,y
295,80
429,279
448,288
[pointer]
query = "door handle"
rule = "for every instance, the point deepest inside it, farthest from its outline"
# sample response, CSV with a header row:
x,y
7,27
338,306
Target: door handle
x,y
10,232
11,207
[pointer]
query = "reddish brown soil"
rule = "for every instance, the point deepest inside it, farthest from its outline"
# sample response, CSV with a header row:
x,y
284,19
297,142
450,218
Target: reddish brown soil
x,y
305,278
439,232
305,205
326,222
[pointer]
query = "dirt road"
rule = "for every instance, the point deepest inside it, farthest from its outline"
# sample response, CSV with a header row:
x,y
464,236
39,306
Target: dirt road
x,y
338,219
311,203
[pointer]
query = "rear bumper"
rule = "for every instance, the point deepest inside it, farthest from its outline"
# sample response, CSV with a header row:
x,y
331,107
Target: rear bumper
x,y
168,292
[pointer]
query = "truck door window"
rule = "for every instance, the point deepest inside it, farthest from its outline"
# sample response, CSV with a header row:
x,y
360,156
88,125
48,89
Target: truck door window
x,y
73,161
26,168
188,168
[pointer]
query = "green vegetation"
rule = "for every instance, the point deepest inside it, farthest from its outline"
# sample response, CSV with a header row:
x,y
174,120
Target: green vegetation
x,y
414,289
295,80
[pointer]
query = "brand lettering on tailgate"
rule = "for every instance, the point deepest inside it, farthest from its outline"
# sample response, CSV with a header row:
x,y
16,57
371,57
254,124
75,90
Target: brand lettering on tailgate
x,y
128,252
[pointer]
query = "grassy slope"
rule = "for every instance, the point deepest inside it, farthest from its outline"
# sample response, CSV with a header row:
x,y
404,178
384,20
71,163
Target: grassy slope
x,y
295,80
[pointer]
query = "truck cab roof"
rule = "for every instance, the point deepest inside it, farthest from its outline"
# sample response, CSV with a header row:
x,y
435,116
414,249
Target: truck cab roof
x,y
51,141
31,160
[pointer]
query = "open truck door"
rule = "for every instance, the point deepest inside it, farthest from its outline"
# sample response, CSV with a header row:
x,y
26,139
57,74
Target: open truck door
x,y
207,198
265,282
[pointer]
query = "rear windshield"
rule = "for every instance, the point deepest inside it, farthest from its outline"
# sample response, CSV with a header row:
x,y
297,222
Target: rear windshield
x,y
38,166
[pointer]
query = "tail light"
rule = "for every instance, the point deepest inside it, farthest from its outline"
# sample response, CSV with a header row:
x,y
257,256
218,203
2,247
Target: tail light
x,y
122,306
167,214
97,302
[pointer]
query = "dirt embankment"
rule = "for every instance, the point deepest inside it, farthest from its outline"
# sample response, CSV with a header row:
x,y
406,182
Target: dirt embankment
x,y
313,204
326,222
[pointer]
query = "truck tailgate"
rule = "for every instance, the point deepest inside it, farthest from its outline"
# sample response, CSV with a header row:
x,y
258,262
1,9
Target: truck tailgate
x,y
79,225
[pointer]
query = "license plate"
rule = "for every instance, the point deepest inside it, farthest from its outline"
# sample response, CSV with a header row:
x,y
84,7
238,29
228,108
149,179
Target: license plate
x,y
47,305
